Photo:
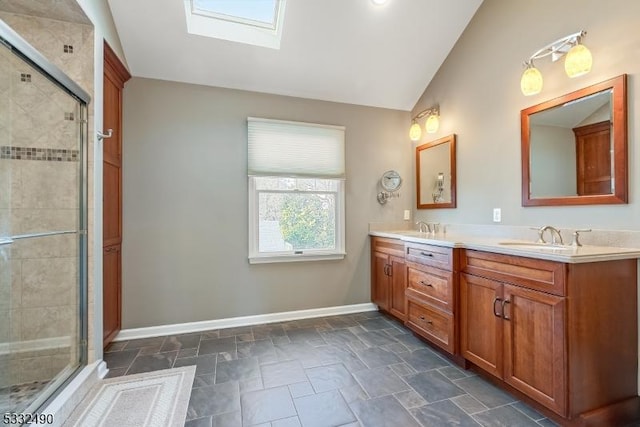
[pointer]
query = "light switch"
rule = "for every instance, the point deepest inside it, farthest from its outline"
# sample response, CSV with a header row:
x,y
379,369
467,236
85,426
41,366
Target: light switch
x,y
497,214
407,214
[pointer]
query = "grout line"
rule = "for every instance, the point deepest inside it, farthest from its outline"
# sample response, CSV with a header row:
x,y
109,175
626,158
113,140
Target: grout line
x,y
345,346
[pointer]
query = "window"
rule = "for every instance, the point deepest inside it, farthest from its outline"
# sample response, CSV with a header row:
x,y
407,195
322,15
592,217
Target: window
x,y
296,191
256,22
262,13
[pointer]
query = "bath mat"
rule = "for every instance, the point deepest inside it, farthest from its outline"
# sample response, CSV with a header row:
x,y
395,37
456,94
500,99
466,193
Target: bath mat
x,y
158,398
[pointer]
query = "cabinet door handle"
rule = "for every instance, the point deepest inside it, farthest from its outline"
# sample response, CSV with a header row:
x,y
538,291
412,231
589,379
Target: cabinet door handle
x,y
504,303
426,254
429,322
496,300
386,273
422,282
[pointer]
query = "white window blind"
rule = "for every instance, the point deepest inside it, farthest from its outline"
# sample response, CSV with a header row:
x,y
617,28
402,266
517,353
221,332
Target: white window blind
x,y
284,148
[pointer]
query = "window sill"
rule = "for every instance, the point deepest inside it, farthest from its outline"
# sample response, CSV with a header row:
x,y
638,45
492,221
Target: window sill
x,y
267,259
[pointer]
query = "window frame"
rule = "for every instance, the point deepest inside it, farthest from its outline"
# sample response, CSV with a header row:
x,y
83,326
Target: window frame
x,y
257,257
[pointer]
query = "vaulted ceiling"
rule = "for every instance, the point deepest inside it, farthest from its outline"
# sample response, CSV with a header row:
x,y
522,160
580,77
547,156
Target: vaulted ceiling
x,y
349,51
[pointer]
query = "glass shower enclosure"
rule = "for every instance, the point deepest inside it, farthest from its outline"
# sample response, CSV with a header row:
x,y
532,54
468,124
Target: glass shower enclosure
x,y
43,223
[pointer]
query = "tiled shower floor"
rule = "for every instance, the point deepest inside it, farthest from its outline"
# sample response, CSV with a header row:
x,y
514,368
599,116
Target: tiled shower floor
x,y
362,369
15,397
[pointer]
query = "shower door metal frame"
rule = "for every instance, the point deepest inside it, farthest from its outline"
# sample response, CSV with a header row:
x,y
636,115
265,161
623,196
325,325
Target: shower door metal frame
x,y
21,48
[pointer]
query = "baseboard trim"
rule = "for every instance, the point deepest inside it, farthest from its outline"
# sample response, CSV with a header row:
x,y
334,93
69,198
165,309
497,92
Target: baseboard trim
x,y
185,328
102,370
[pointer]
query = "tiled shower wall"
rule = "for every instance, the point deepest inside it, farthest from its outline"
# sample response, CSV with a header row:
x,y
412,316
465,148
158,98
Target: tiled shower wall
x,y
43,163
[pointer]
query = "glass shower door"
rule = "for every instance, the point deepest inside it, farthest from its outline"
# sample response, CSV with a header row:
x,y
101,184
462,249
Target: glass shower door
x,y
42,238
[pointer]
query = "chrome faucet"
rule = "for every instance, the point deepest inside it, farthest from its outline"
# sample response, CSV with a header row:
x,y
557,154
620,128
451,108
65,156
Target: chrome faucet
x,y
423,227
556,237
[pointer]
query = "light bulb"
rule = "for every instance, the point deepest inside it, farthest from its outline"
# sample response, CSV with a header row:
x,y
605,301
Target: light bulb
x,y
433,123
415,132
378,2
531,82
578,61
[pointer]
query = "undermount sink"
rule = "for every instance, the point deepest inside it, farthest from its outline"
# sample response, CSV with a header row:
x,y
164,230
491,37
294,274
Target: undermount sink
x,y
537,246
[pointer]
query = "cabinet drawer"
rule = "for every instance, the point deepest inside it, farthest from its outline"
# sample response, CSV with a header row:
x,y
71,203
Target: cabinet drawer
x,y
537,274
388,246
431,323
431,284
434,256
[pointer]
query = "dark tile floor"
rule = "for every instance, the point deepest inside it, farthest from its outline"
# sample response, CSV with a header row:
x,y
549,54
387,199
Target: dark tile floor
x,y
362,369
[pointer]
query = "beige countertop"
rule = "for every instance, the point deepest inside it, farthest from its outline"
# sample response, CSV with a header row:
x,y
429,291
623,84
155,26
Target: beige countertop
x,y
504,245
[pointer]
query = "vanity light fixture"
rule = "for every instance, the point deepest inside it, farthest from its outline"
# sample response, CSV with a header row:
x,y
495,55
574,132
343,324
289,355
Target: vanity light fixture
x,y
378,2
431,126
577,62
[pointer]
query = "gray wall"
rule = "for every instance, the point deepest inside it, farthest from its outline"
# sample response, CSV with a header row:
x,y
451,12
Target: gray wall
x,y
185,204
478,89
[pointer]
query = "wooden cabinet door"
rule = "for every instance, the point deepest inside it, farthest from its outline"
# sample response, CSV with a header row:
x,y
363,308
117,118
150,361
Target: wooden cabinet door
x,y
115,75
481,330
593,159
380,281
534,340
111,295
398,285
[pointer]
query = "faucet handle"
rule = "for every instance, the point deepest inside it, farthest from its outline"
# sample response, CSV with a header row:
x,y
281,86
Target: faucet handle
x,y
576,237
540,231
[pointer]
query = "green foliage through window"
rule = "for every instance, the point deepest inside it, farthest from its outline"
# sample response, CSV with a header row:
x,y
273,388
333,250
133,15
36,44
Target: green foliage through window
x,y
307,221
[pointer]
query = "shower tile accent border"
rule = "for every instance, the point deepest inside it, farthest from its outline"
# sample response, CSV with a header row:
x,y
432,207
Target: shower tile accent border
x,y
44,154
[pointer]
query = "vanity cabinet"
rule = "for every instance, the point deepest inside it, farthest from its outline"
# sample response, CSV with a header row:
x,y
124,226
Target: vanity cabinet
x,y
565,335
430,293
388,276
515,334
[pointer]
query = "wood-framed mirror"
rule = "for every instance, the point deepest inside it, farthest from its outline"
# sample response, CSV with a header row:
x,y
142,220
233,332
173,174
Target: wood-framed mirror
x,y
436,173
574,147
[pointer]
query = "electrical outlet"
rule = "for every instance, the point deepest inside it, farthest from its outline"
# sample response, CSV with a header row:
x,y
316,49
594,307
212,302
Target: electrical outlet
x,y
407,214
497,214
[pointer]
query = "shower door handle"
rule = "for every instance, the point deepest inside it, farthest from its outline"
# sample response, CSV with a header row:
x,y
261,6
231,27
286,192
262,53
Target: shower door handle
x,y
8,240
11,239
45,234
106,135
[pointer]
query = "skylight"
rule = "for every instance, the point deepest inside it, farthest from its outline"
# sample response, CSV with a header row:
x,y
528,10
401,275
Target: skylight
x,y
256,12
256,22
